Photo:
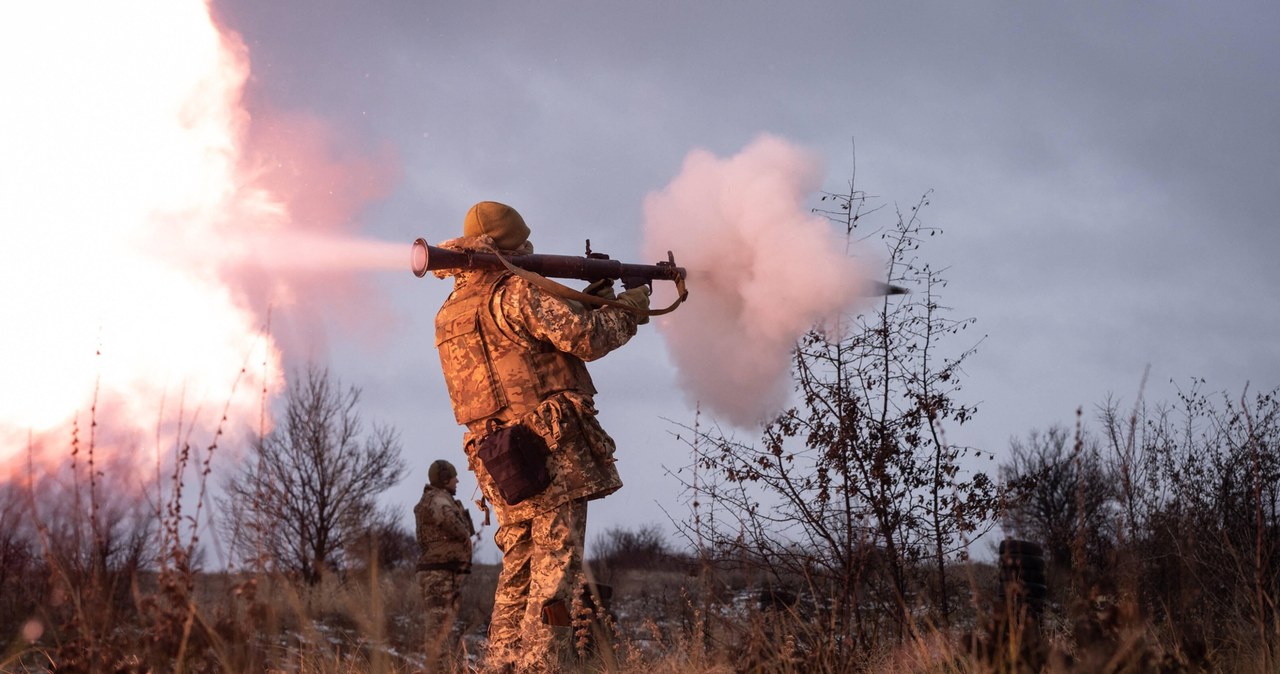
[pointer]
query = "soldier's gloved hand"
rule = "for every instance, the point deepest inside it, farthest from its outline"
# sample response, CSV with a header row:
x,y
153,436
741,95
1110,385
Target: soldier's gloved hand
x,y
602,288
637,297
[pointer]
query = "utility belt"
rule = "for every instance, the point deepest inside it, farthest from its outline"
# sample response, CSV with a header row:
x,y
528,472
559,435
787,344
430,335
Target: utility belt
x,y
456,567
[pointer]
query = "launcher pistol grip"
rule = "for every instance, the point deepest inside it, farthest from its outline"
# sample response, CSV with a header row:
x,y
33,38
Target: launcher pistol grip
x,y
630,282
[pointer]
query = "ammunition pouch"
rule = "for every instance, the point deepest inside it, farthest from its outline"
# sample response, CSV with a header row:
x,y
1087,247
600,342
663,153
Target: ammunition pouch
x,y
516,459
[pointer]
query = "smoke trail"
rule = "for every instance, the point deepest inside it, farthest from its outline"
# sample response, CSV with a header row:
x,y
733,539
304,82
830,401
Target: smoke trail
x,y
763,270
307,260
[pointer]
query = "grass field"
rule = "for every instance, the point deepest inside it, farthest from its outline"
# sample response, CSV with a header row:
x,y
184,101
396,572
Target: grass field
x,y
660,620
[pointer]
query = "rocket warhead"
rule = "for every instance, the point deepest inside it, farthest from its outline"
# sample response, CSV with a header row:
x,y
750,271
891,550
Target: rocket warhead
x,y
880,289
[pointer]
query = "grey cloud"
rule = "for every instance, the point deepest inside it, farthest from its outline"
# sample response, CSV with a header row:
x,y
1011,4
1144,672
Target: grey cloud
x,y
1106,173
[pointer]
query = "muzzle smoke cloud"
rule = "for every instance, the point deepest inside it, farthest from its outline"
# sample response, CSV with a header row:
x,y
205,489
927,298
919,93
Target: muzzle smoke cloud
x,y
763,269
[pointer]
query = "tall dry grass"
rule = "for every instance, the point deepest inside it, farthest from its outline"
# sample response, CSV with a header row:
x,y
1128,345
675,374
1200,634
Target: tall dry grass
x,y
661,621
90,582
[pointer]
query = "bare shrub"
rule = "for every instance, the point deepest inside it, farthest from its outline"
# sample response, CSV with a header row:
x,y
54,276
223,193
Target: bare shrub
x,y
385,544
309,487
1061,495
93,533
855,496
620,549
19,559
1201,511
1180,524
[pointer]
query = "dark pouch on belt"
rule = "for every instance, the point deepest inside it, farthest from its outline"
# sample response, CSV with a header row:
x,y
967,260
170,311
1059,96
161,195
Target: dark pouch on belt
x,y
516,459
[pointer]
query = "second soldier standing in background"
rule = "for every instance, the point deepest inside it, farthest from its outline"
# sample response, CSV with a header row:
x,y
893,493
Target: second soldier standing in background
x,y
444,537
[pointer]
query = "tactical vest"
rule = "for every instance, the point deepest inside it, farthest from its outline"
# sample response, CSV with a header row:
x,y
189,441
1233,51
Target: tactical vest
x,y
440,520
490,375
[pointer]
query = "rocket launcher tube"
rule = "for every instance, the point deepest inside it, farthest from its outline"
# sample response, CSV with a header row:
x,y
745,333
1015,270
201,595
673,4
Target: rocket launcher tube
x,y
538,269
427,258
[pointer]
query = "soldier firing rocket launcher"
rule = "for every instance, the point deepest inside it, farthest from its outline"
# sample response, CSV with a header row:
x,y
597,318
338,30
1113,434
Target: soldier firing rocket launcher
x,y
537,268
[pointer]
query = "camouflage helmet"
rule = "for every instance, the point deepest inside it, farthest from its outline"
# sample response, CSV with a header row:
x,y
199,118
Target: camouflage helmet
x,y
501,222
440,473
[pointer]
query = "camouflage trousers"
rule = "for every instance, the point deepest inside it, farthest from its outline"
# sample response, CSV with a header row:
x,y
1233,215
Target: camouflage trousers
x,y
541,565
441,590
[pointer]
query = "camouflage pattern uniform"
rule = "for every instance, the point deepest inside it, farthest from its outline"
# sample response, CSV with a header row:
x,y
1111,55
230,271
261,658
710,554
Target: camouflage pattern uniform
x,y
444,536
512,352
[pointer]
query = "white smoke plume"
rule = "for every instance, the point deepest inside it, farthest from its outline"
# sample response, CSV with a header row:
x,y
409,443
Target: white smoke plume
x,y
763,269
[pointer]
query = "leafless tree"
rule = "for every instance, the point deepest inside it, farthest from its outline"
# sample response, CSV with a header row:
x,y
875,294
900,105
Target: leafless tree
x,y
309,487
642,548
18,555
384,544
1060,491
856,489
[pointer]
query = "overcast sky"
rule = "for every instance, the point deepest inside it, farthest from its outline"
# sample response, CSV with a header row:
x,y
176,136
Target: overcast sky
x,y
1107,176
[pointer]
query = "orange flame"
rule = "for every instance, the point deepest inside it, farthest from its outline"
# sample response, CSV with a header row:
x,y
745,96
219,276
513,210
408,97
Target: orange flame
x,y
124,203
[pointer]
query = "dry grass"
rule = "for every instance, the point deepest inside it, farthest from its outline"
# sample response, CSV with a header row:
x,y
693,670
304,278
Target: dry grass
x,y
85,599
663,621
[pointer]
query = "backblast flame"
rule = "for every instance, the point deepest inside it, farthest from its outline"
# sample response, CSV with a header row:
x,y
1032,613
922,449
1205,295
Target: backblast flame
x,y
121,162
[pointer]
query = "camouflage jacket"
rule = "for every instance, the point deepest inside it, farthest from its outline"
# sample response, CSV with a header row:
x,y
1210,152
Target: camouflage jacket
x,y
444,529
536,323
